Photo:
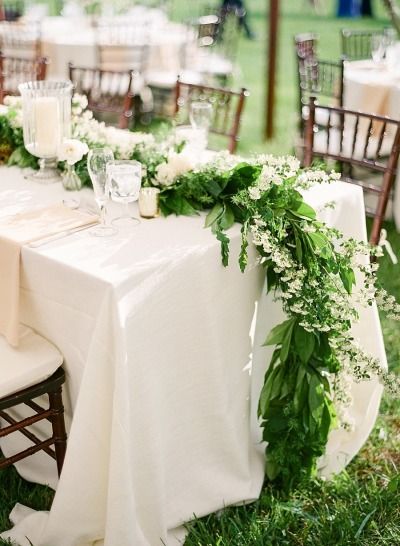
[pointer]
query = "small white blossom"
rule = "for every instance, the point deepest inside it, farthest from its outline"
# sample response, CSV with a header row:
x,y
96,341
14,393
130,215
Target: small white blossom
x,y
176,165
72,151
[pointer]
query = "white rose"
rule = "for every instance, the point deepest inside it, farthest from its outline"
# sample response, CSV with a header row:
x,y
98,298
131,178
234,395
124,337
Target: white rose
x,y
165,175
13,102
176,165
72,151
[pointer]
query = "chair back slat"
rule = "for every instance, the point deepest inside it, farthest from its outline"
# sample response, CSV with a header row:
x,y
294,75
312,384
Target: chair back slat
x,y
368,135
367,142
355,132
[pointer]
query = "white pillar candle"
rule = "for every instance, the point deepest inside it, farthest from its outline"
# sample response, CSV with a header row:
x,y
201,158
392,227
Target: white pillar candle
x,y
47,126
149,202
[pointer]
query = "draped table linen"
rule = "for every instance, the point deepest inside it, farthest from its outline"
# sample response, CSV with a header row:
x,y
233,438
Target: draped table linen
x,y
155,335
65,41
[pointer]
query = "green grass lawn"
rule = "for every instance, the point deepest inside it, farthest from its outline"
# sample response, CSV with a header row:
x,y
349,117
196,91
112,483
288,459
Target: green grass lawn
x,y
362,505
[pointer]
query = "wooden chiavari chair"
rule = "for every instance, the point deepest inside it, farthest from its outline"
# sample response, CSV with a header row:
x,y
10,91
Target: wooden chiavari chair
x,y
28,374
364,142
357,44
16,70
227,108
20,39
108,92
316,77
122,46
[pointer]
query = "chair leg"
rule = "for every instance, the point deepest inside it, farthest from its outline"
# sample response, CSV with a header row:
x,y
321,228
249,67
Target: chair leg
x,y
58,425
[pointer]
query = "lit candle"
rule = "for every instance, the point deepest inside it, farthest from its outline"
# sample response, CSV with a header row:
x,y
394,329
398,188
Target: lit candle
x,y
47,126
149,202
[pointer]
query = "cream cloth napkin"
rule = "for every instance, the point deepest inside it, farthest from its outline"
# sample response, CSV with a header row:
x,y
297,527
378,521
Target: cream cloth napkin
x,y
16,231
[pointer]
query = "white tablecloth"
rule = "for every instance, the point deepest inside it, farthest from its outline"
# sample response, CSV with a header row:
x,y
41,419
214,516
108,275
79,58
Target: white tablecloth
x,y
155,334
73,40
374,89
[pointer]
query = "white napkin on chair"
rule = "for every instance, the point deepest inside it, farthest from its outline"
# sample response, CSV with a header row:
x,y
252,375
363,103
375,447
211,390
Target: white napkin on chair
x,y
16,231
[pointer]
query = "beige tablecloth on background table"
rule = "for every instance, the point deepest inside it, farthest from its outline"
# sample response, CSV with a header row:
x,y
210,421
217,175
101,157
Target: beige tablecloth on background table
x,y
73,41
155,335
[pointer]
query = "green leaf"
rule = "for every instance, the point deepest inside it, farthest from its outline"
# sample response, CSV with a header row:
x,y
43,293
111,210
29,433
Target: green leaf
x,y
304,211
22,158
304,343
278,382
348,278
214,214
277,334
213,187
227,218
265,398
321,242
326,422
316,397
243,248
272,469
286,345
224,240
299,250
272,279
301,390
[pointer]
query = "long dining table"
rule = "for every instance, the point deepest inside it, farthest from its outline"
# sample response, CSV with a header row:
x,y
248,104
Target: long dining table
x,y
164,360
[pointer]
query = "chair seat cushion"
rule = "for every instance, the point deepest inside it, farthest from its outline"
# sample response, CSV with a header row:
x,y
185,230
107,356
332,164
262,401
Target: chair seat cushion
x,y
33,361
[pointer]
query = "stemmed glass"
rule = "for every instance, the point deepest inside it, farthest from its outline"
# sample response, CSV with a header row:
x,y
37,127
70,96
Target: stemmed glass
x,y
200,116
378,46
97,161
124,178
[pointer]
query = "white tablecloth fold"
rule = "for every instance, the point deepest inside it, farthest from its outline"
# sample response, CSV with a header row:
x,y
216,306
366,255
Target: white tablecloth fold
x,y
15,231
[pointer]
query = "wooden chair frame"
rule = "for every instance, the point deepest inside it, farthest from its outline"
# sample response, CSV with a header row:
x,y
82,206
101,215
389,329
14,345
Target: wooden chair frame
x,y
387,169
231,132
55,414
125,109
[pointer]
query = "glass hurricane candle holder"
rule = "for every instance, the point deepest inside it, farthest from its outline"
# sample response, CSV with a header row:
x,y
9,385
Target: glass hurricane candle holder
x,y
46,112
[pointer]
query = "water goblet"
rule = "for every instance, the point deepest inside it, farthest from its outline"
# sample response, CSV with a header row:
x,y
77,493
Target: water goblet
x,y
200,116
97,161
378,44
124,178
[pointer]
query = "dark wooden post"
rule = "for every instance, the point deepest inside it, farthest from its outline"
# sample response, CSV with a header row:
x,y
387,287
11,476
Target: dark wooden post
x,y
271,62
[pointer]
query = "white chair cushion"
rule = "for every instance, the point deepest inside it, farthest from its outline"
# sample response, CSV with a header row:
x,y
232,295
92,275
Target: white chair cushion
x,y
33,361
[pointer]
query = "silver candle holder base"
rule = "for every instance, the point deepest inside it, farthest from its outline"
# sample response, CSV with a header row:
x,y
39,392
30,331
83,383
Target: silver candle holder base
x,y
47,173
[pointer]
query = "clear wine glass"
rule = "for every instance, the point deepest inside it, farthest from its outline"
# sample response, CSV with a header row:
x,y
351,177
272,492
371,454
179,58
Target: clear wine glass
x,y
97,161
378,43
200,116
124,178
